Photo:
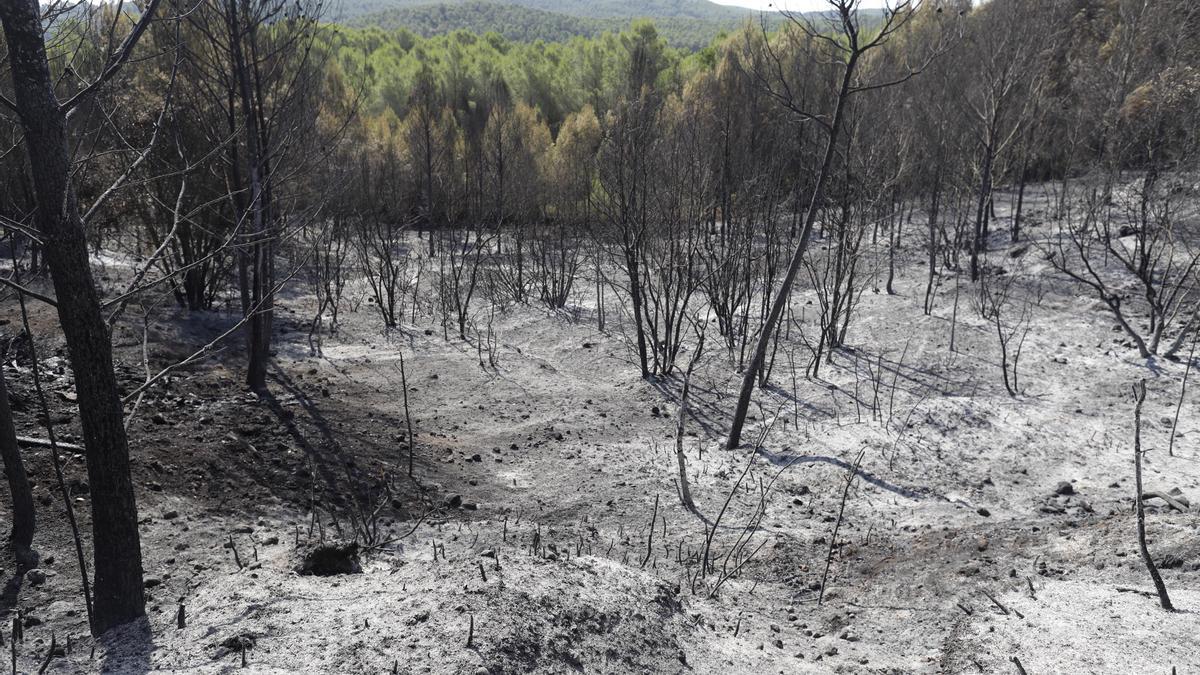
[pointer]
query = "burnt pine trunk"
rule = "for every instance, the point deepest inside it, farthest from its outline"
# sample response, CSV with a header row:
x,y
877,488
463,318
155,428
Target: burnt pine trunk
x,y
979,242
118,556
1139,395
933,246
785,288
256,264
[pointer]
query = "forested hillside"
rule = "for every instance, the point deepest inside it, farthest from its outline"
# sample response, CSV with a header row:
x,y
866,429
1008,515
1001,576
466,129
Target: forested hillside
x,y
860,342
604,9
525,24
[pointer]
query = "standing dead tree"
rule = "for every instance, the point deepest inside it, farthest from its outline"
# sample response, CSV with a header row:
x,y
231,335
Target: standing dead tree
x,y
1139,393
468,251
1129,243
329,247
685,492
1182,393
847,45
999,103
119,592
996,304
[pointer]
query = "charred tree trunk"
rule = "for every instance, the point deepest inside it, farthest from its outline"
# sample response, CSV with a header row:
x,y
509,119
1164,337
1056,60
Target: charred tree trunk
x,y
1139,393
120,596
785,288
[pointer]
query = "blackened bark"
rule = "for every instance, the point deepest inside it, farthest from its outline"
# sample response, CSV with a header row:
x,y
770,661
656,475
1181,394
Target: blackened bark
x,y
785,288
120,596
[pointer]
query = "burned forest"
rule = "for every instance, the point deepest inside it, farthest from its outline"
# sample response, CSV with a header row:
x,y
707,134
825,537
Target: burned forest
x,y
510,336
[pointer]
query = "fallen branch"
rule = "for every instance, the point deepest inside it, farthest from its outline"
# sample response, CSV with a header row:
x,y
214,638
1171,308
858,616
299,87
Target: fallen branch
x,y
46,443
1174,499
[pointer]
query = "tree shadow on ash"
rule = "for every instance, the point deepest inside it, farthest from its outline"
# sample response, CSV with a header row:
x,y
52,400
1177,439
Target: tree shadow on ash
x,y
128,648
782,459
11,593
323,455
338,470
702,408
19,563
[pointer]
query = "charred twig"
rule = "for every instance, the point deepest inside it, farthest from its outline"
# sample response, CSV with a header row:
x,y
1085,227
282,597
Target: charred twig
x,y
1139,392
650,537
838,524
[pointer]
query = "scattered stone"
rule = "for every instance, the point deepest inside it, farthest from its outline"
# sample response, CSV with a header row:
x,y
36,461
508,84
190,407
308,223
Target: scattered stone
x,y
454,501
983,512
35,577
1064,489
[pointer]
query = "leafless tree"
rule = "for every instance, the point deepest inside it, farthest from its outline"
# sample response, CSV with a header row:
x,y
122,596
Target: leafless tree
x,y
119,593
851,44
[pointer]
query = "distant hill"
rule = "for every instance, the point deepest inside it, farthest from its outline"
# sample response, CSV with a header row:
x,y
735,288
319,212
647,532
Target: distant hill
x,y
600,9
524,24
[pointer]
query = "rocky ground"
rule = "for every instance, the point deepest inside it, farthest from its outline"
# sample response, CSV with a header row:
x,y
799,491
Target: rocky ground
x,y
541,528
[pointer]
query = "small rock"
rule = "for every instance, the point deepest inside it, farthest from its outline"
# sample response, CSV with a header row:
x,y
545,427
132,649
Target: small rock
x,y
35,577
454,501
983,512
1064,489
331,559
237,643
